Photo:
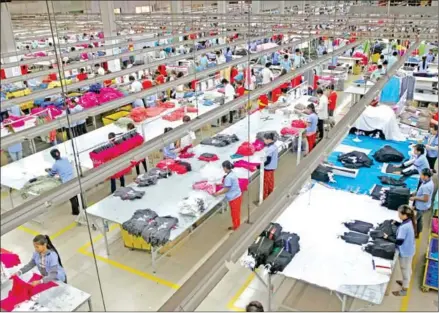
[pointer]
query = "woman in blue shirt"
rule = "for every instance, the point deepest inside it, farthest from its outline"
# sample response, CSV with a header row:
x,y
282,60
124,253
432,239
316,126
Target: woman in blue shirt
x,y
270,164
170,151
233,193
422,198
405,244
47,260
432,147
311,129
286,64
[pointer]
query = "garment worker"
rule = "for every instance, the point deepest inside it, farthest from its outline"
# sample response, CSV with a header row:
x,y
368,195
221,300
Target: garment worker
x,y
376,75
298,59
422,198
392,59
332,104
130,126
254,306
266,74
322,112
311,129
270,164
430,56
405,245
286,64
232,192
229,93
80,127
46,258
432,147
64,170
112,138
170,151
82,75
99,70
423,65
417,162
15,150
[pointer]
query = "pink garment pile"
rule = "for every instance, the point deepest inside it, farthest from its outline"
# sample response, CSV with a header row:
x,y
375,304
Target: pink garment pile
x,y
243,185
204,185
247,165
89,100
434,225
258,145
246,149
298,124
53,110
289,131
108,94
9,259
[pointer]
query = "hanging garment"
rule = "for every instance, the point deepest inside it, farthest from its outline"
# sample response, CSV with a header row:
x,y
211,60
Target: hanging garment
x,y
408,84
322,174
381,248
128,193
260,250
273,231
23,291
359,226
139,221
355,238
159,234
387,180
355,159
9,259
387,228
395,197
388,154
208,157
391,91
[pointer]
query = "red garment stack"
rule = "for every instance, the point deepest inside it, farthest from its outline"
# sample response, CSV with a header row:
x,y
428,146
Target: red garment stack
x,y
104,156
9,259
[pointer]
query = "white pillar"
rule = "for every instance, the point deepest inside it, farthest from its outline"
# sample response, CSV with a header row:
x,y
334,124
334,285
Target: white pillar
x,y
256,7
176,8
109,26
8,41
222,6
282,7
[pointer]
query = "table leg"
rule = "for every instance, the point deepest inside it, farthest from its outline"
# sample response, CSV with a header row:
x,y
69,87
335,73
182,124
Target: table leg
x,y
153,258
33,146
104,231
90,306
261,183
299,148
10,197
270,292
343,303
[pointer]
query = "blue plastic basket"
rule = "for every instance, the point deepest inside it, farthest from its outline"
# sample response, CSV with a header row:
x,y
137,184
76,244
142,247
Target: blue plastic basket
x,y
431,279
433,249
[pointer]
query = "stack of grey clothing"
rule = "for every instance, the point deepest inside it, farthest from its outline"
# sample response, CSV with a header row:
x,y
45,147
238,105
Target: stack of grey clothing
x,y
39,185
160,173
158,232
128,193
220,140
145,180
139,221
260,135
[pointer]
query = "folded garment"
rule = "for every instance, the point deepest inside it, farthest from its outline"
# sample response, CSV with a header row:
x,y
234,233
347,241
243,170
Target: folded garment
x,y
208,157
260,135
160,173
146,180
258,145
298,124
186,155
139,221
391,169
243,185
220,140
158,234
39,185
128,193
123,122
387,180
247,165
193,205
204,185
9,259
355,238
246,149
289,131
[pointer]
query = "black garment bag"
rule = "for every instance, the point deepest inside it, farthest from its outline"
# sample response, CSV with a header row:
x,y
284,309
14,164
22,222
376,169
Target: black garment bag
x,y
359,226
260,250
355,238
388,154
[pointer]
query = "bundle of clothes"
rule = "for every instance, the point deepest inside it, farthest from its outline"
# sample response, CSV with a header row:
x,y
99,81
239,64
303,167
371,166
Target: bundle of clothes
x,y
176,166
355,159
372,238
39,185
193,205
274,249
154,229
391,198
220,140
323,174
152,176
128,193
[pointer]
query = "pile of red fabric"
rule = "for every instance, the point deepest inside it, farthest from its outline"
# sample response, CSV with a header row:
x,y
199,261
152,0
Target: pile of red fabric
x,y
208,157
179,167
246,149
179,113
9,259
298,124
53,110
15,121
289,131
247,165
109,94
364,58
106,155
139,114
167,105
23,291
204,185
258,145
89,100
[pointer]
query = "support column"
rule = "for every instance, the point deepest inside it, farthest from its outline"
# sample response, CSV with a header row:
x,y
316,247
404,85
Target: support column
x,y
176,8
109,26
222,6
256,7
8,41
282,7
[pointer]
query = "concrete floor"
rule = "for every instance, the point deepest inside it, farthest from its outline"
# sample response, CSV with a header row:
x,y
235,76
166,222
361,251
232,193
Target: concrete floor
x,y
127,279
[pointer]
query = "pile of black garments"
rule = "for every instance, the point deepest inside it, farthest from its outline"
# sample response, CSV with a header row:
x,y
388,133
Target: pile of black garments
x,y
388,154
358,232
152,176
355,159
394,197
322,174
387,180
154,229
260,135
387,227
220,140
128,193
274,248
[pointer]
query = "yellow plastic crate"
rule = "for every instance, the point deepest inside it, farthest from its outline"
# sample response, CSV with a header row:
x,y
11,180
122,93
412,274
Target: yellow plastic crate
x,y
56,84
134,242
18,93
27,105
111,118
126,108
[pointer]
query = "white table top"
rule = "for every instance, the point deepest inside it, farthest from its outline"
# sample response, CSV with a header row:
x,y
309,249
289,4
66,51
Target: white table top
x,y
342,58
164,203
333,72
427,79
425,97
64,297
357,90
347,268
15,175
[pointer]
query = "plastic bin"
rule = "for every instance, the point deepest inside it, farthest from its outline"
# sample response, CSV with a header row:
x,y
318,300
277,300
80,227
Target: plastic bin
x,y
431,276
27,105
433,249
134,242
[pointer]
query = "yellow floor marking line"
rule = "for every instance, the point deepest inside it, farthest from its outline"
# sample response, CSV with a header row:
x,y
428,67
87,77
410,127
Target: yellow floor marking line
x,y
62,231
83,250
5,194
28,230
231,305
405,300
131,270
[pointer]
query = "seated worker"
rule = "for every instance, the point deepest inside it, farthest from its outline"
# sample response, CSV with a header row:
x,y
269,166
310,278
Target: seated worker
x,y
376,75
417,163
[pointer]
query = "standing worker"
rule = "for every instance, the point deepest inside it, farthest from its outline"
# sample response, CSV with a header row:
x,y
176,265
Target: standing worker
x,y
432,147
111,138
422,199
322,112
406,247
130,126
270,164
64,170
423,65
332,105
15,150
233,194
311,129
46,258
229,93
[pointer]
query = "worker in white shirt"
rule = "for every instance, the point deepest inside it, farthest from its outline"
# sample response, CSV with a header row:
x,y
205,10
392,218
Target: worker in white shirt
x,y
80,127
266,74
322,112
229,93
298,59
136,87
99,70
423,65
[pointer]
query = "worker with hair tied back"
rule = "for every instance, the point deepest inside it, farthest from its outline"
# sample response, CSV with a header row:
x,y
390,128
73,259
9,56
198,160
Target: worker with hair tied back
x,y
254,306
232,192
46,258
270,164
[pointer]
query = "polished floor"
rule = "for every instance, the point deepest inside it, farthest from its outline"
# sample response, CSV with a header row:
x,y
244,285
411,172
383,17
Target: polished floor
x,y
128,283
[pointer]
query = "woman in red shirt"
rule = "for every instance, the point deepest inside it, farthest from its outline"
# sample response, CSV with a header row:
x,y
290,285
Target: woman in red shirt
x,y
435,116
240,90
233,73
159,79
82,75
332,104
